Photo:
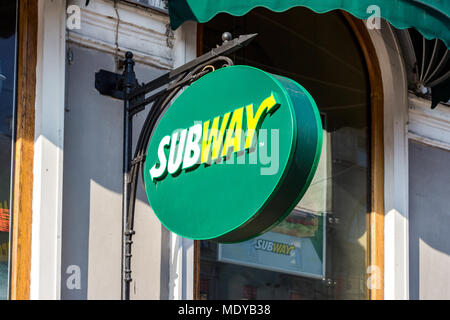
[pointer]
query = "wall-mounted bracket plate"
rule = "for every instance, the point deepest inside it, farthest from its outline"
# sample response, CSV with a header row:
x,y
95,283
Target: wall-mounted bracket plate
x,y
109,84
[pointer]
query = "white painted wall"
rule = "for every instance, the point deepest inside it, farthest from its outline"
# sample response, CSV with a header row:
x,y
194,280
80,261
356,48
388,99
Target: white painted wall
x,y
105,31
48,152
429,126
429,143
147,34
405,117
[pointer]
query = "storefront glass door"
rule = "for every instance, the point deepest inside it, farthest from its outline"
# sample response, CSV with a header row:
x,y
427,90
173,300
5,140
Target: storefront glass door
x,y
320,250
8,36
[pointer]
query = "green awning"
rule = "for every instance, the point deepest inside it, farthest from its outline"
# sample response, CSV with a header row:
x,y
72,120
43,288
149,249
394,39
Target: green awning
x,y
430,17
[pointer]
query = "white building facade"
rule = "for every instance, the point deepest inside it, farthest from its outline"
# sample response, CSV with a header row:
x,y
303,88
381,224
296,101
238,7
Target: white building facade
x,y
76,230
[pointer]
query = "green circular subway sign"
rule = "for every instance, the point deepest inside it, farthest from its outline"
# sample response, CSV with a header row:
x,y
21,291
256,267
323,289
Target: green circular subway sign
x,y
233,155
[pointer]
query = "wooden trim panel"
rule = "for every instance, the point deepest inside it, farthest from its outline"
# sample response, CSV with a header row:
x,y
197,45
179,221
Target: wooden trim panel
x,y
196,295
24,151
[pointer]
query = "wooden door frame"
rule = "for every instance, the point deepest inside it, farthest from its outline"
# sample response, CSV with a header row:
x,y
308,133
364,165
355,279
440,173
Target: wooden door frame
x,y
375,218
22,186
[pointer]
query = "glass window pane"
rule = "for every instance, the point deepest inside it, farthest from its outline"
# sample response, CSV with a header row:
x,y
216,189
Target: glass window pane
x,y
8,9
320,250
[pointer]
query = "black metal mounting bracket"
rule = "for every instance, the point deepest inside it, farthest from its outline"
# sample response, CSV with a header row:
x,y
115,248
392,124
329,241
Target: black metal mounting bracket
x,y
135,97
109,84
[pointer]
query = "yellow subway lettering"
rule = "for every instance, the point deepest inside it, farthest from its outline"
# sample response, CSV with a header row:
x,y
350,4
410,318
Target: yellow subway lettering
x,y
234,133
254,121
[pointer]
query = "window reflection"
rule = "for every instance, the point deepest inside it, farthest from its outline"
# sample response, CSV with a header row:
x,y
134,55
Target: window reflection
x,y
8,11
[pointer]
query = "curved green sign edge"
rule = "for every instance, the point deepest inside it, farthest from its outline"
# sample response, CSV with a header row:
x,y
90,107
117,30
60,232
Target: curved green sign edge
x,y
289,173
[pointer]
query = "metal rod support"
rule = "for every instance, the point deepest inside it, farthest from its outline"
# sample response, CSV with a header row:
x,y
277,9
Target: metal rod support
x,y
226,48
129,78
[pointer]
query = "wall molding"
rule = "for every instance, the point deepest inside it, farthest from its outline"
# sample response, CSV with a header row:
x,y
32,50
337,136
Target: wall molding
x,y
427,141
144,32
426,125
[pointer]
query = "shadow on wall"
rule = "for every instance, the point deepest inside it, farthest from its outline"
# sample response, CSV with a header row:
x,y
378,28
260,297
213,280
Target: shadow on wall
x,y
429,222
92,190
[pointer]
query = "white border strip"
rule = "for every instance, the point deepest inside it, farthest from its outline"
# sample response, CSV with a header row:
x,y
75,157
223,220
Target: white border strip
x,y
48,151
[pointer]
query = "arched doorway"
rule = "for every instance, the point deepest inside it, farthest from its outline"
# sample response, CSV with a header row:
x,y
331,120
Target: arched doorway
x,y
332,230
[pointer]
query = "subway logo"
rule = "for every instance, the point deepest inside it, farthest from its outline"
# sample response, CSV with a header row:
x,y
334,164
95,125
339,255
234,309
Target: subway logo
x,y
274,247
212,140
